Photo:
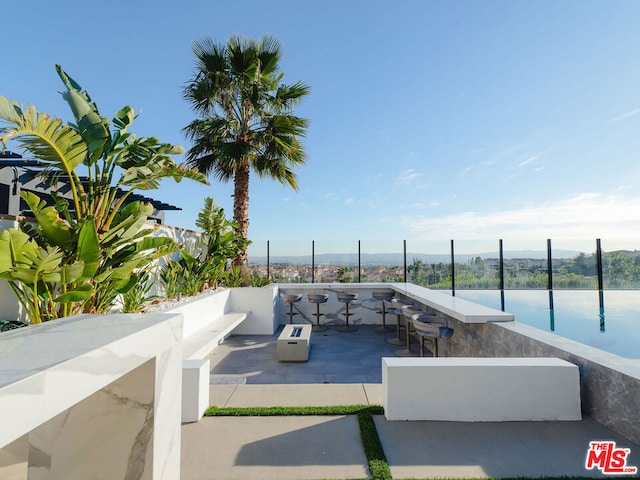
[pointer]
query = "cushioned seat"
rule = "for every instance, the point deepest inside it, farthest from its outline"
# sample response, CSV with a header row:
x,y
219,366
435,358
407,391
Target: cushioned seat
x,y
431,327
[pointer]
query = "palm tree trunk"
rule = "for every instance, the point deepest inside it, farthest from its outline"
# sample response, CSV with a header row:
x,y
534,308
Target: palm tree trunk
x,y
241,214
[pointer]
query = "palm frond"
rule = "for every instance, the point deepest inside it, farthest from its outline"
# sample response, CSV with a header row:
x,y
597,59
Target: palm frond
x,y
45,137
269,56
287,96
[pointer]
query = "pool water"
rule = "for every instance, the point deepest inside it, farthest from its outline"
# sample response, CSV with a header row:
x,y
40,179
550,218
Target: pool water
x,y
576,315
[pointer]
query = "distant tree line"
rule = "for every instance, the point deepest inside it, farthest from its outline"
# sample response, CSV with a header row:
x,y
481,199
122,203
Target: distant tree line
x,y
621,269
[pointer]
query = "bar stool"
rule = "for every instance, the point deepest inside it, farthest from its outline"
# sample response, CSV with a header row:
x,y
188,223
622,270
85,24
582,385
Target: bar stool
x,y
426,328
347,299
383,295
318,298
291,299
408,312
394,307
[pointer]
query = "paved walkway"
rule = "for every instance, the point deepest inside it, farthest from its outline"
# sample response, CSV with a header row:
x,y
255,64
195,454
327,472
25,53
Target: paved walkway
x,y
282,448
345,369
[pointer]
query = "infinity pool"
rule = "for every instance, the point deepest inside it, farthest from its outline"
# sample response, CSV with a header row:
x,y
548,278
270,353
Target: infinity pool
x,y
576,315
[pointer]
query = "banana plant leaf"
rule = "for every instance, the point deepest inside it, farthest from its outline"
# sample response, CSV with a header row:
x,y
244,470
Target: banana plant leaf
x,y
52,226
88,250
38,264
123,286
128,222
78,294
92,126
71,273
120,272
13,244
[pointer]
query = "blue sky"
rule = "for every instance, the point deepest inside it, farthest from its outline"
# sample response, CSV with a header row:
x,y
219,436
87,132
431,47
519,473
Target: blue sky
x,y
429,120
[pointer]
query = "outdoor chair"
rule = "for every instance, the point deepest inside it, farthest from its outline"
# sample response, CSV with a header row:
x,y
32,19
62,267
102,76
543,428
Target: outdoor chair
x,y
394,307
382,296
430,327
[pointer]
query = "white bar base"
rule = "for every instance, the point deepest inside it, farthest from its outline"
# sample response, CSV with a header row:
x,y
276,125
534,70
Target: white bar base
x,y
195,389
480,389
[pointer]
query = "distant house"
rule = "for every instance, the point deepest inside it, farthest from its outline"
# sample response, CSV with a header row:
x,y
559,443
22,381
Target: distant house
x,y
18,174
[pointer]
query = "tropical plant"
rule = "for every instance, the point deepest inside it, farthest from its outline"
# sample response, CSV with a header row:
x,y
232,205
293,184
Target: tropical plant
x,y
258,280
86,248
219,237
233,277
136,298
171,277
246,120
192,274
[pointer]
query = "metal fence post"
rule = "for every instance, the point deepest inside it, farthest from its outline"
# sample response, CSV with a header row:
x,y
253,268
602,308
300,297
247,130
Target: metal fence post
x,y
550,274
453,271
501,275
599,264
600,283
268,276
359,264
313,261
404,243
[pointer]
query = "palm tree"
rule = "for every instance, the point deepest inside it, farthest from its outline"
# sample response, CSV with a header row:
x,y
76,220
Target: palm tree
x,y
246,121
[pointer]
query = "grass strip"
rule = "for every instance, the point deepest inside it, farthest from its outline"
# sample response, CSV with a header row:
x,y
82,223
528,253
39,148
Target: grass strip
x,y
292,411
376,460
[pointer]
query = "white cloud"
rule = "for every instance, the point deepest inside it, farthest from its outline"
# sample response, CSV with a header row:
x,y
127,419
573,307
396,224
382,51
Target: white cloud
x,y
528,160
494,159
348,201
628,114
407,176
582,217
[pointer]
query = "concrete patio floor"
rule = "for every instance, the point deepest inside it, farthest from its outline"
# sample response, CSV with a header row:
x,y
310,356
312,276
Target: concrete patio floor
x,y
335,357
345,369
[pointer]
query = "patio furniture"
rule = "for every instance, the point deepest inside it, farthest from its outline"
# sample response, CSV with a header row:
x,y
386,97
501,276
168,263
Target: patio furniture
x,y
429,326
291,299
347,299
294,343
395,307
408,311
317,299
382,295
426,328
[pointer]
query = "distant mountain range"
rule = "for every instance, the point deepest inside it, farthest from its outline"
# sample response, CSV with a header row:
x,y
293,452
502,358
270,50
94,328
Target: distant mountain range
x,y
390,259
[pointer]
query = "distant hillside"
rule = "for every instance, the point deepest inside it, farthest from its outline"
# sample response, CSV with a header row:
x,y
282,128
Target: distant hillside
x,y
395,259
